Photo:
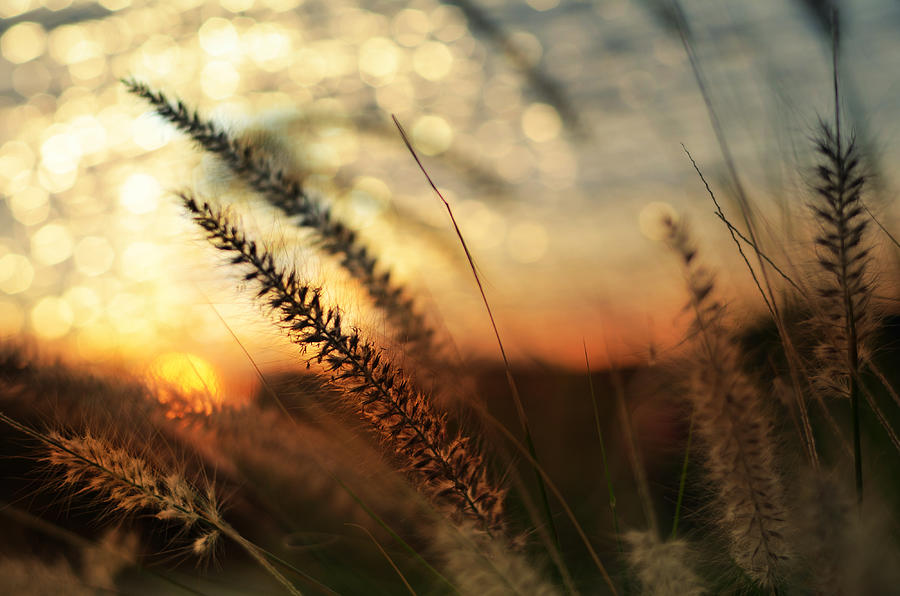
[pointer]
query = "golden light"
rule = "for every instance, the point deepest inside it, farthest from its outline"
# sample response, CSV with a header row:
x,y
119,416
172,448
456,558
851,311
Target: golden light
x,y
410,27
15,157
186,383
60,153
85,305
269,46
51,318
219,79
141,261
652,217
93,255
449,23
12,319
527,242
236,5
379,58
432,135
140,193
541,123
86,170
23,42
30,206
484,228
218,37
51,244
16,273
11,8
432,61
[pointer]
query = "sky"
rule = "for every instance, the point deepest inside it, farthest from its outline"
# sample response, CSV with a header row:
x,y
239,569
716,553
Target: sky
x,y
556,130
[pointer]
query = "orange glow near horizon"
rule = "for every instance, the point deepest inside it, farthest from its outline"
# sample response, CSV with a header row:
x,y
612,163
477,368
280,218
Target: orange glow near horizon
x,y
185,383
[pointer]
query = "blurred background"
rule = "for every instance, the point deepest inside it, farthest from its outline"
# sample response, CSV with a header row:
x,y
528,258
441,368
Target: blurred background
x,y
554,128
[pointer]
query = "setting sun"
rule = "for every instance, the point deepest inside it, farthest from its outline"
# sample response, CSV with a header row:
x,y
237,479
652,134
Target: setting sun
x,y
187,383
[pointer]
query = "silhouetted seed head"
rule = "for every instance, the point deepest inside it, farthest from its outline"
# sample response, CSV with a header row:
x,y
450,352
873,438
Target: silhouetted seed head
x,y
285,192
447,468
845,321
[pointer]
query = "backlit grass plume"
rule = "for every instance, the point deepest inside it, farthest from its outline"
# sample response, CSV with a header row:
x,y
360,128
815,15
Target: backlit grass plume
x,y
284,190
844,255
446,466
846,319
661,567
731,421
129,484
483,566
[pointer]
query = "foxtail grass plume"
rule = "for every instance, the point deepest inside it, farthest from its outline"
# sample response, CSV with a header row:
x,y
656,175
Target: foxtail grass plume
x,y
284,190
447,467
846,551
480,565
661,567
847,321
129,484
731,421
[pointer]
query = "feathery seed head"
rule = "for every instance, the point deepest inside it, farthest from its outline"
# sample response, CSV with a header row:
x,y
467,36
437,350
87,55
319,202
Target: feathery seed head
x,y
482,565
447,468
735,430
845,318
285,191
127,483
663,568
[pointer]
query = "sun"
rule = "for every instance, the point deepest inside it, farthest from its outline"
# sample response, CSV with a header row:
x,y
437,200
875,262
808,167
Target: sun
x,y
186,383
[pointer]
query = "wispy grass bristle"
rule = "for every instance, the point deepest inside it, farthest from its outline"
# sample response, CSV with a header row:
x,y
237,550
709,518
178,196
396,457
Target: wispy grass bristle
x,y
480,565
129,484
663,568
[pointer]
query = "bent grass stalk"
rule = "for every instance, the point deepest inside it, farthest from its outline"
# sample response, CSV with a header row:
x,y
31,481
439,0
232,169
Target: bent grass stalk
x,y
523,450
386,556
514,389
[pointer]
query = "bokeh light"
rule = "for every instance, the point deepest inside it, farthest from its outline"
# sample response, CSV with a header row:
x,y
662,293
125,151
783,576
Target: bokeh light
x,y
23,42
556,139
